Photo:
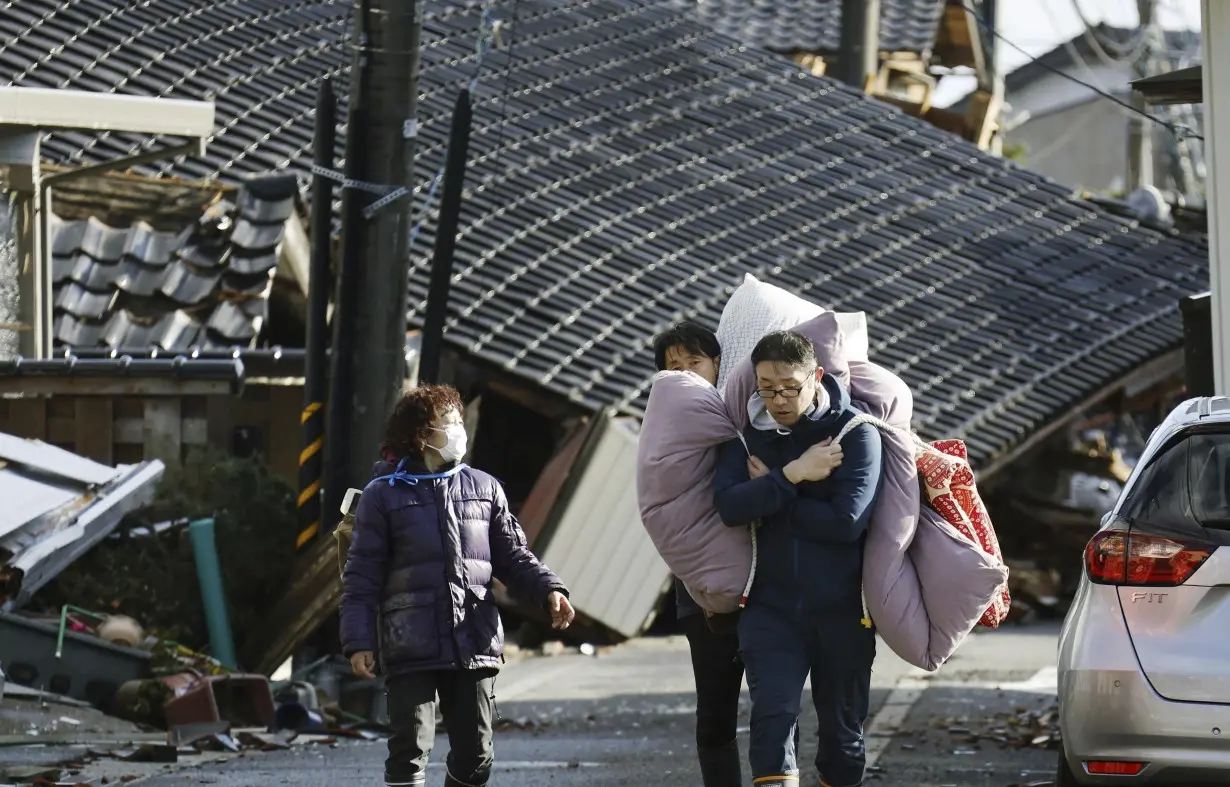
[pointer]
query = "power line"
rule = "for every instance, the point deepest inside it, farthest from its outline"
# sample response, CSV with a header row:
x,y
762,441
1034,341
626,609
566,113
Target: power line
x,y
1180,131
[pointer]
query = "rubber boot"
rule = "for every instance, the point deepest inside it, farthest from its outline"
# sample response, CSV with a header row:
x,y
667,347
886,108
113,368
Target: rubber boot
x,y
721,767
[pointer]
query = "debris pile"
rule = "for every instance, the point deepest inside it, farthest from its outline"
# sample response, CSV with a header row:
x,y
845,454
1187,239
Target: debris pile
x,y
1020,728
147,569
1050,508
182,747
58,506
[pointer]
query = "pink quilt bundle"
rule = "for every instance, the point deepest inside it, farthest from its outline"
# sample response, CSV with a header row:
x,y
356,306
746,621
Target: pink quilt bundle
x,y
926,583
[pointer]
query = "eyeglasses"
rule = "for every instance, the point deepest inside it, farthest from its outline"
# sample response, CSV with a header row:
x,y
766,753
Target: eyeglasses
x,y
787,393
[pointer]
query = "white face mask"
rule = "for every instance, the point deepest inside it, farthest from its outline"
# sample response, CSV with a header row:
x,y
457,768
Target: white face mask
x,y
454,442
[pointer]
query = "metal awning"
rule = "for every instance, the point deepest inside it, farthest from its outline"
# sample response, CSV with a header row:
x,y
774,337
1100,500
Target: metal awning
x,y
1185,86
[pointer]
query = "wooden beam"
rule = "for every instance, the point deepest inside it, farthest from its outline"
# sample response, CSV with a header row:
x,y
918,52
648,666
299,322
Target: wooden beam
x,y
285,438
87,386
163,430
93,427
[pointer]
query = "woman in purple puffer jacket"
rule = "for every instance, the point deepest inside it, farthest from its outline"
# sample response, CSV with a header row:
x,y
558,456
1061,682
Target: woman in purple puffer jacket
x,y
430,534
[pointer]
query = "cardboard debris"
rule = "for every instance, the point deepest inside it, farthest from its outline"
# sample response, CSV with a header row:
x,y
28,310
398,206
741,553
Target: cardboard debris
x,y
265,741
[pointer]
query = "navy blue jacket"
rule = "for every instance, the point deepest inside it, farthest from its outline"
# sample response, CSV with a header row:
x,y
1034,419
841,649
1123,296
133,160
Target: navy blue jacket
x,y
811,536
417,584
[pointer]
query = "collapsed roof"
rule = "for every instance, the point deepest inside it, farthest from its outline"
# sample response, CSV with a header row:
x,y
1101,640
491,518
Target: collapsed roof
x,y
630,163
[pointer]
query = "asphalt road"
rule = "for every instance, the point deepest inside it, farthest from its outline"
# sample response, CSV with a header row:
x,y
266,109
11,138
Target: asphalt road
x,y
625,718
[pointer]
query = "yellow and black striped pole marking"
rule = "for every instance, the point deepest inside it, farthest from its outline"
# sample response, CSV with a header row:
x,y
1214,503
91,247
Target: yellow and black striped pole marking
x,y
315,367
311,469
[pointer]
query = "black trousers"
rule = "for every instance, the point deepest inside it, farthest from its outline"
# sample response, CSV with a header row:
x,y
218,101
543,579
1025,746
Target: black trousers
x,y
467,702
719,679
780,653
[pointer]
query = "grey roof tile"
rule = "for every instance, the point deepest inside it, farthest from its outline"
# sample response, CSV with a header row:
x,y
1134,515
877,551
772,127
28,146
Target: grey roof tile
x,y
186,284
128,286
80,302
815,25
251,236
75,332
94,274
641,163
139,279
233,323
91,238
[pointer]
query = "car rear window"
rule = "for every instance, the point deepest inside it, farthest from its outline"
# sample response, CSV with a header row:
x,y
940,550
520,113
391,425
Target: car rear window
x,y
1188,484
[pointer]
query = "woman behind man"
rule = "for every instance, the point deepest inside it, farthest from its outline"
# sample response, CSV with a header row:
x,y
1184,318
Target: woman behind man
x,y
716,665
430,533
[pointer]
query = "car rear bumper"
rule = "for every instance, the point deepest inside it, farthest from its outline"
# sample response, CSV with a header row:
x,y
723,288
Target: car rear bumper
x,y
1108,715
1108,710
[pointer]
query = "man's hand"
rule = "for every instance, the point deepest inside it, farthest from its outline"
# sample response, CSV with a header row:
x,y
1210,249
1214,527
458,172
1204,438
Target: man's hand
x,y
756,468
362,664
561,611
816,464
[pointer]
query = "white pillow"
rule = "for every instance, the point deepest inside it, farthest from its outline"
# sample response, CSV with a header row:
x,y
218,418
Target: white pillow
x,y
758,308
854,335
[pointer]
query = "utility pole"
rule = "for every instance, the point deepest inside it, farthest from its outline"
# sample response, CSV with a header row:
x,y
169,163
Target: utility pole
x,y
1140,129
859,58
346,302
446,240
377,362
316,372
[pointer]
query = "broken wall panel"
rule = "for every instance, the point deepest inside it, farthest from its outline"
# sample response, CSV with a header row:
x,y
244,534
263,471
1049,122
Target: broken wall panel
x,y
598,544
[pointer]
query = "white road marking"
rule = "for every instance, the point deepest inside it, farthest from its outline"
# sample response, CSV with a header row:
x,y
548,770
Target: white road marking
x,y
1044,681
904,696
522,765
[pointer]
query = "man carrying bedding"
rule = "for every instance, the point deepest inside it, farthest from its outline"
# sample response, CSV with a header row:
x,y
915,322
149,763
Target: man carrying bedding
x,y
804,614
718,672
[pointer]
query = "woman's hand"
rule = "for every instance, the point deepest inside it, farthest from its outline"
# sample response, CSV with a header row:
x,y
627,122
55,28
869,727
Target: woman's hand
x,y
362,664
562,612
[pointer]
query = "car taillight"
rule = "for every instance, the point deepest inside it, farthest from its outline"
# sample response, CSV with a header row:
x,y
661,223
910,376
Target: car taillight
x,y
1112,768
1114,557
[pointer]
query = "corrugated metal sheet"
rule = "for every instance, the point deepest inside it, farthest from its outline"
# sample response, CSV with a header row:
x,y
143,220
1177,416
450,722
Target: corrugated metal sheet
x,y
35,455
57,506
598,545
55,545
26,499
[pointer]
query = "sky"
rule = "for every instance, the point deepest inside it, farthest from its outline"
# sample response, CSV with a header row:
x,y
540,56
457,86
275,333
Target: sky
x,y
1038,26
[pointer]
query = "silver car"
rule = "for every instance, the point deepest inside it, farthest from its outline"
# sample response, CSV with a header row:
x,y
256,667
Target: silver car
x,y
1144,655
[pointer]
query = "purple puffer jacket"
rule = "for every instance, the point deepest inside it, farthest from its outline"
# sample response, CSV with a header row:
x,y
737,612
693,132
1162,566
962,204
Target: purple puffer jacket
x,y
417,584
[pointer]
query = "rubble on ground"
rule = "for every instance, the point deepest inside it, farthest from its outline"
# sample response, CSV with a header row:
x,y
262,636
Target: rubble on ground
x,y
1021,728
140,570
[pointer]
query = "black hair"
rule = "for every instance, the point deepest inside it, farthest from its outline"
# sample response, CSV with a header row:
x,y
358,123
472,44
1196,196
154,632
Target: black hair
x,y
786,347
694,338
